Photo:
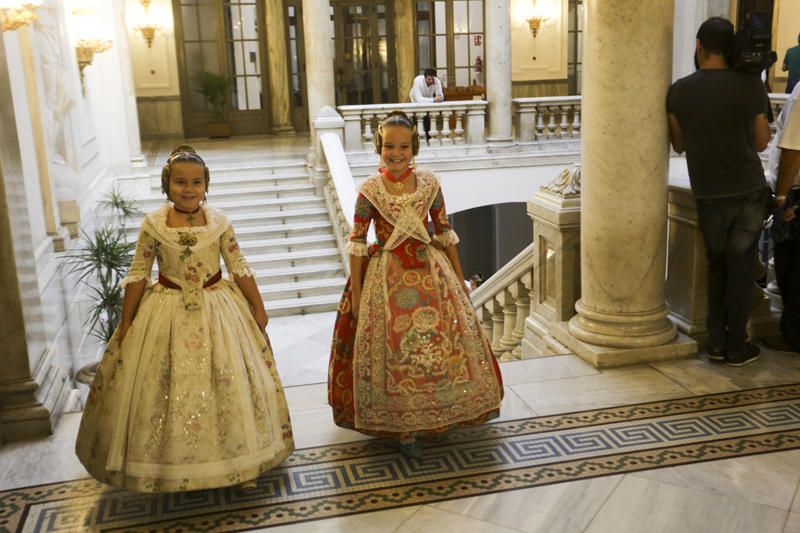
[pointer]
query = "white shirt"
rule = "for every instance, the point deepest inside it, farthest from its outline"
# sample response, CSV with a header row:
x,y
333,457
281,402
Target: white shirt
x,y
422,93
787,135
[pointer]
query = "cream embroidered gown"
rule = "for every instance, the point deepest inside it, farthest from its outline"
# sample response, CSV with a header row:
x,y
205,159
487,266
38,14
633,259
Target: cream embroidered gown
x,y
191,399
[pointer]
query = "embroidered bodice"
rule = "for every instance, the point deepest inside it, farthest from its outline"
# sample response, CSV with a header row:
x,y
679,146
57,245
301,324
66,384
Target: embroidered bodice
x,y
187,256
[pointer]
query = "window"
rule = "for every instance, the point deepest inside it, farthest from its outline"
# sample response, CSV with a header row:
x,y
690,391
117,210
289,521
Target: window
x,y
451,40
575,43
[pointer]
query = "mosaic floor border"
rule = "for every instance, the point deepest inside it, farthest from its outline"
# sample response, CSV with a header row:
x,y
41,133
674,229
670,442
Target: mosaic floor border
x,y
365,476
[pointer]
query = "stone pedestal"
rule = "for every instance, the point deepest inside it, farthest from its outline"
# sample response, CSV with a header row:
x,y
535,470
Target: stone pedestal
x,y
621,316
278,68
498,70
687,275
556,215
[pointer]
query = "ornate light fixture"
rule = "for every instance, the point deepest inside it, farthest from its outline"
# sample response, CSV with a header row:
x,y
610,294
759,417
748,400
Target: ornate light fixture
x,y
147,28
88,44
17,13
535,19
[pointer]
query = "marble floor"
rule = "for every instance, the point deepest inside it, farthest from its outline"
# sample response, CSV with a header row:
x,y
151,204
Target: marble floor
x,y
748,494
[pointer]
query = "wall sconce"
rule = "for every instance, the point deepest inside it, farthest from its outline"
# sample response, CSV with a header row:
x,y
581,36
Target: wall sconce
x,y
17,13
535,19
85,49
147,28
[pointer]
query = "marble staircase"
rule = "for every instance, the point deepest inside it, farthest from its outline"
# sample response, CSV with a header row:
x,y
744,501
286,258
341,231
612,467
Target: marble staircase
x,y
283,228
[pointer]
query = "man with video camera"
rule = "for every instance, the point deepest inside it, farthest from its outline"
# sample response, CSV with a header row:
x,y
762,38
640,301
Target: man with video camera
x,y
718,116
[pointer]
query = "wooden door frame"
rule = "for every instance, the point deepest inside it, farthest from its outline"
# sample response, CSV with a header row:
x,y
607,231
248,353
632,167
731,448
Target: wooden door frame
x,y
194,122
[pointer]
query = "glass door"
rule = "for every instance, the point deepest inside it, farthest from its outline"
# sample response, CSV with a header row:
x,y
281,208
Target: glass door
x,y
297,64
223,37
363,38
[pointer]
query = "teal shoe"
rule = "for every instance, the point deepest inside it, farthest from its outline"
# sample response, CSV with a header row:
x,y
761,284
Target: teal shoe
x,y
411,450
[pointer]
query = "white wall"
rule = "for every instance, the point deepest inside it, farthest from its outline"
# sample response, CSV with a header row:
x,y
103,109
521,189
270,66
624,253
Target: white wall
x,y
549,48
155,69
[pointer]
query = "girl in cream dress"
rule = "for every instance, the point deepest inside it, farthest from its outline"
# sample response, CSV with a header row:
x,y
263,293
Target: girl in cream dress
x,y
186,396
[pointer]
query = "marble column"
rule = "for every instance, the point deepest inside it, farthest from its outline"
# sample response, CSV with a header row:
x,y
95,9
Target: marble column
x,y
278,68
498,70
319,58
128,86
621,315
21,414
405,44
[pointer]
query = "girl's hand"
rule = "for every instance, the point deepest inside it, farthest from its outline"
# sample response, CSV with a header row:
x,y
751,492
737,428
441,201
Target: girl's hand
x,y
123,330
789,214
262,319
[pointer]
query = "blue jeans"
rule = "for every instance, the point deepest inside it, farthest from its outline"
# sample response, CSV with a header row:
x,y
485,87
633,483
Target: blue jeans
x,y
791,83
731,227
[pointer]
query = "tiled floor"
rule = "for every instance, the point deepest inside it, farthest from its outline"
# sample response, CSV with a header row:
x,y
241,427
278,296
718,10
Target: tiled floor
x,y
748,494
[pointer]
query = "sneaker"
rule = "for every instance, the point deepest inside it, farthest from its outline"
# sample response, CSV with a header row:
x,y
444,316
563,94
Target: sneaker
x,y
716,354
750,354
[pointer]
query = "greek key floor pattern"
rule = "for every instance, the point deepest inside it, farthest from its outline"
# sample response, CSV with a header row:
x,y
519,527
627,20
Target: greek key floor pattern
x,y
328,481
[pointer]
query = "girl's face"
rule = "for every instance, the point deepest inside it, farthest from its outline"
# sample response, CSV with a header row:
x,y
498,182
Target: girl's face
x,y
187,185
396,151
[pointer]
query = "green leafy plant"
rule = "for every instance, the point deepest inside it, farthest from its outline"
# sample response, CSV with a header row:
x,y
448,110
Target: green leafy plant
x,y
101,260
215,87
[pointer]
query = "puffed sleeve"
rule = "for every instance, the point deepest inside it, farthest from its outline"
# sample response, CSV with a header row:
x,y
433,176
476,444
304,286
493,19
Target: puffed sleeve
x,y
443,233
143,257
364,213
234,260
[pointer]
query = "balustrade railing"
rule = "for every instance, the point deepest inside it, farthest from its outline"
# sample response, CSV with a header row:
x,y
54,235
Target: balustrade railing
x,y
503,303
536,120
448,123
547,118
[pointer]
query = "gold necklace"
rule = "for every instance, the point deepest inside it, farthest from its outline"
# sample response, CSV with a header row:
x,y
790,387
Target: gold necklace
x,y
398,183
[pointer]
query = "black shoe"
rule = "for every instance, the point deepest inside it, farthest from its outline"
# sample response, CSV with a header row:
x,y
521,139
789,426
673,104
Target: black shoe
x,y
750,354
716,354
780,344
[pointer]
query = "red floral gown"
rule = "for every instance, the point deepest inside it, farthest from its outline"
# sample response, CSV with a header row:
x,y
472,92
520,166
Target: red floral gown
x,y
417,361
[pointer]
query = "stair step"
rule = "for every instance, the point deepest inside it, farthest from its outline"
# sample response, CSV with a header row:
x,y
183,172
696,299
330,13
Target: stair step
x,y
302,306
287,245
303,289
319,270
284,230
232,206
285,260
227,192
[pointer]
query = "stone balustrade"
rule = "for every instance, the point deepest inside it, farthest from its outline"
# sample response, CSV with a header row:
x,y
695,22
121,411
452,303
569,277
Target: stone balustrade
x,y
547,118
503,304
536,120
451,123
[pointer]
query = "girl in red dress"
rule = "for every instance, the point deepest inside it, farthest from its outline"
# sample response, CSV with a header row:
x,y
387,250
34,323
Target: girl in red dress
x,y
408,357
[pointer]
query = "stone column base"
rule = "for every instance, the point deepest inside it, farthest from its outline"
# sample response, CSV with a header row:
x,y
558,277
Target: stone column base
x,y
682,347
21,415
628,330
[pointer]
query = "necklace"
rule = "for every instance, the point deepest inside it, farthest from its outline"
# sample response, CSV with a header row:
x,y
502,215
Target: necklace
x,y
190,218
397,182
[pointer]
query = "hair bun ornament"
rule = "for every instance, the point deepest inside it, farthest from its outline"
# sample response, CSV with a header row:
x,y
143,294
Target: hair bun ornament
x,y
182,149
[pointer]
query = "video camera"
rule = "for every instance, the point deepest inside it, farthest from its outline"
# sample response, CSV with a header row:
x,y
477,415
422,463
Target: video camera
x,y
752,51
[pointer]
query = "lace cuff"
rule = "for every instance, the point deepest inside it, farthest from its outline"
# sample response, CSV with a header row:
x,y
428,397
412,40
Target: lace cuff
x,y
243,271
134,278
446,238
359,249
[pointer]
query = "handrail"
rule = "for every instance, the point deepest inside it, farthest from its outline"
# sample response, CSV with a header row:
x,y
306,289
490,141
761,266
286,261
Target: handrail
x,y
500,280
340,174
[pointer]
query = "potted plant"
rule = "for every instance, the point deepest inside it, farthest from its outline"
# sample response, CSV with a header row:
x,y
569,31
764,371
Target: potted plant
x,y
100,261
215,87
